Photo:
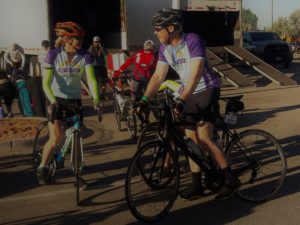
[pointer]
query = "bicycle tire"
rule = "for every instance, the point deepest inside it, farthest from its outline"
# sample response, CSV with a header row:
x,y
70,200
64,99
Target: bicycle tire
x,y
77,164
40,139
131,124
117,112
147,188
268,164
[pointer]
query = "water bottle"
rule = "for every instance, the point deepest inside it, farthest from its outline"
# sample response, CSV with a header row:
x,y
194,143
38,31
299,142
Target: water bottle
x,y
1,113
194,148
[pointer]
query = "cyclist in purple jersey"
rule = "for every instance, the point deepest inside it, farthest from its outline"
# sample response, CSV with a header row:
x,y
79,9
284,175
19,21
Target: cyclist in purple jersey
x,y
198,102
63,69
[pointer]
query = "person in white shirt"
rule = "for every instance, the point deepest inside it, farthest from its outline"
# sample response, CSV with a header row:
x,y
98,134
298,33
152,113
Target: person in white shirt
x,y
42,55
15,59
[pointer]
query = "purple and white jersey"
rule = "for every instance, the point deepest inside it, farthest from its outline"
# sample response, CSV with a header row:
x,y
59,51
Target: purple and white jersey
x,y
179,58
66,82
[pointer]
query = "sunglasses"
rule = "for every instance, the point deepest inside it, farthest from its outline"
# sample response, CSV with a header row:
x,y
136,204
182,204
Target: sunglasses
x,y
157,29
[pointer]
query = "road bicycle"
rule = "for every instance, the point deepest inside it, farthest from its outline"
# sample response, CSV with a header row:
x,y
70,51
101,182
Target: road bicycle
x,y
124,108
255,157
71,142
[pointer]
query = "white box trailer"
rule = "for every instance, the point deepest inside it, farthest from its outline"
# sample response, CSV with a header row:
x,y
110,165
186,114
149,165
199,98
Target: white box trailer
x,y
218,21
121,24
24,22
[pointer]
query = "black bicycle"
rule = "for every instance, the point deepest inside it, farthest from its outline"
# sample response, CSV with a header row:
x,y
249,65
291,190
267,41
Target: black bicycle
x,y
255,157
71,142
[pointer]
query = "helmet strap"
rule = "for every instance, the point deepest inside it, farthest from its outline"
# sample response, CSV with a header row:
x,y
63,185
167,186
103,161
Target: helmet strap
x,y
172,31
70,47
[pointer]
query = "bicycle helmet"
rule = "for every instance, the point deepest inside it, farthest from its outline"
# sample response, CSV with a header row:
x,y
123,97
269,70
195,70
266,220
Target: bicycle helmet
x,y
149,45
166,17
70,29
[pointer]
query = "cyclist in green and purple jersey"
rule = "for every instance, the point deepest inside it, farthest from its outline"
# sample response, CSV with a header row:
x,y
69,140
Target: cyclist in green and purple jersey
x,y
198,99
64,67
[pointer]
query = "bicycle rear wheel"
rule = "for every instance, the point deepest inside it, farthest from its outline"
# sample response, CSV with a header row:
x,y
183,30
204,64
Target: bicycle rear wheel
x,y
150,193
117,112
258,160
131,124
40,139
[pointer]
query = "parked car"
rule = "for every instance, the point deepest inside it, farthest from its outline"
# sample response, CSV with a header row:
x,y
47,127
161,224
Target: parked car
x,y
295,47
268,46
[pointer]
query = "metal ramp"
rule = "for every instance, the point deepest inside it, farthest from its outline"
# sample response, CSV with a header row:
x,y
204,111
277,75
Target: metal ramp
x,y
260,66
226,71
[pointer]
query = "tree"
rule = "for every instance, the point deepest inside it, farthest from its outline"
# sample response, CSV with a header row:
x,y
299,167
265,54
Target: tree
x,y
281,27
249,20
294,23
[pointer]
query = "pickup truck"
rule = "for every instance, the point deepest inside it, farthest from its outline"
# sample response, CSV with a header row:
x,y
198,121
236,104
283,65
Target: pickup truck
x,y
268,46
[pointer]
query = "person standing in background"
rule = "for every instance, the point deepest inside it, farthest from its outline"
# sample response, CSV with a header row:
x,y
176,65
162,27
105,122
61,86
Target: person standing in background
x,y
14,57
144,62
42,55
8,92
100,68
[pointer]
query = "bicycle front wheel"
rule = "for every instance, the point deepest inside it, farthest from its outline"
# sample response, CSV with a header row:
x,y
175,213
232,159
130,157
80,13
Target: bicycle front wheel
x,y
77,159
258,160
150,190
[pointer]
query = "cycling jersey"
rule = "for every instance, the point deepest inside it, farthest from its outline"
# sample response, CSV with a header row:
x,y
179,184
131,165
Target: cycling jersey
x,y
144,64
66,80
179,58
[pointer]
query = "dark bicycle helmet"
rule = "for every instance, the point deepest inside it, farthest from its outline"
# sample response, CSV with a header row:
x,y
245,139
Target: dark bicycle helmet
x,y
166,17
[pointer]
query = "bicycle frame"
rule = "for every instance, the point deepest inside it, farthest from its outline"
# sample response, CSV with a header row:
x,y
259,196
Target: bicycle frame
x,y
70,136
170,132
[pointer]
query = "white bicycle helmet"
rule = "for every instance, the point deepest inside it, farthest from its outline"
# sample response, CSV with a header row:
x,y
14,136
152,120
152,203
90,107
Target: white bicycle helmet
x,y
149,45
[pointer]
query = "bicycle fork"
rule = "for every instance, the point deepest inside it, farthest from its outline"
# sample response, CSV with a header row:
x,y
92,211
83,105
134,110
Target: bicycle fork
x,y
77,146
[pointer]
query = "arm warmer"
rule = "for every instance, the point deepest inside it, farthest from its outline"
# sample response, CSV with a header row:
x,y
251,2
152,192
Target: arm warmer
x,y
92,82
47,78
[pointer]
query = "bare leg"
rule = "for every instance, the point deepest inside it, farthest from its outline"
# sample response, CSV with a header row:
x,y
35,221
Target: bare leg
x,y
56,135
204,134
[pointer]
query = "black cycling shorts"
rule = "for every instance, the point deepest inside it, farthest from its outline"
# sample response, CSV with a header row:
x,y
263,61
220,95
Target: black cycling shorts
x,y
138,88
203,106
66,110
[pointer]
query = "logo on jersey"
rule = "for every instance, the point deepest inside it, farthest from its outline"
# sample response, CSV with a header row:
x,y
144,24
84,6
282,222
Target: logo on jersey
x,y
177,65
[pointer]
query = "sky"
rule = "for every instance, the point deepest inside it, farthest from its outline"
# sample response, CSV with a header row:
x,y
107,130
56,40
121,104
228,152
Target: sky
x,y
263,9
